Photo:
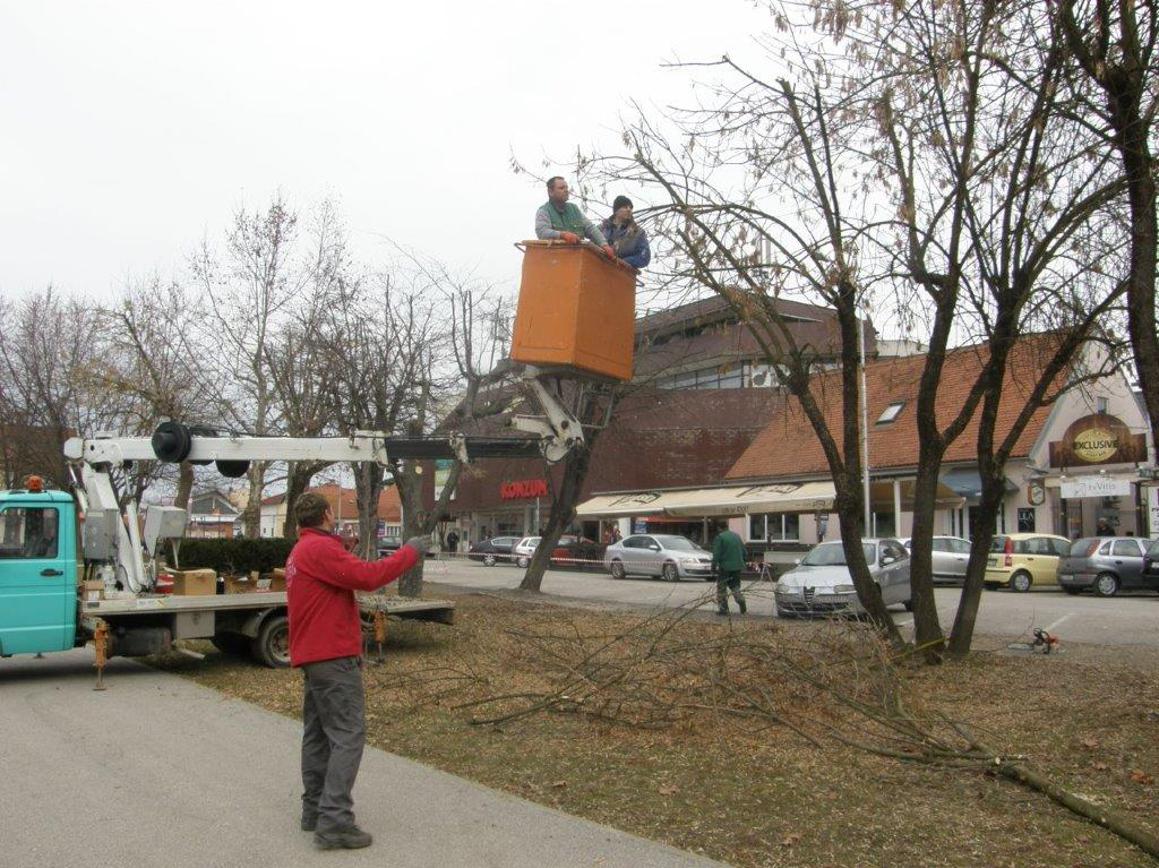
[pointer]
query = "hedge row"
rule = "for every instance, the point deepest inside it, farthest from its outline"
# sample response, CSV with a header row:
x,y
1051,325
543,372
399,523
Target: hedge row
x,y
235,556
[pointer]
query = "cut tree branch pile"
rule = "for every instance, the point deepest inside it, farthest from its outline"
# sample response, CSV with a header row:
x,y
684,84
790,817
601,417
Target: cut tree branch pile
x,y
841,686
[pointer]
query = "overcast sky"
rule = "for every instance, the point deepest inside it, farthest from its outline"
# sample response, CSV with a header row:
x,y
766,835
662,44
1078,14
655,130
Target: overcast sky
x,y
133,129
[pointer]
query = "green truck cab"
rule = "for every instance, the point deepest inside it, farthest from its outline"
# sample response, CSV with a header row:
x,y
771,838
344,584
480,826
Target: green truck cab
x,y
38,571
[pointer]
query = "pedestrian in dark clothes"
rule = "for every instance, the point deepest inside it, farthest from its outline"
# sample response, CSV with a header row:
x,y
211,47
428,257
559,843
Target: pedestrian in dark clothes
x,y
728,559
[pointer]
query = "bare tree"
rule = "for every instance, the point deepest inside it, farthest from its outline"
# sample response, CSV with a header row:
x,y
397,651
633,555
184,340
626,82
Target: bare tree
x,y
149,363
248,298
1113,44
49,345
928,163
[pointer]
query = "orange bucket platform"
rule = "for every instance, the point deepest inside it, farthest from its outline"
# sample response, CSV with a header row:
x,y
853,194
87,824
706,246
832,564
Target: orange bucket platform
x,y
577,309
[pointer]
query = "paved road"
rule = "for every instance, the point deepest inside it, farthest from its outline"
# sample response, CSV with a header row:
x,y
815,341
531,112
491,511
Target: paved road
x,y
160,771
1131,619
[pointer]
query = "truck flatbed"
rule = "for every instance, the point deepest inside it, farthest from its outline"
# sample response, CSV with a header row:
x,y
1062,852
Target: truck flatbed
x,y
442,611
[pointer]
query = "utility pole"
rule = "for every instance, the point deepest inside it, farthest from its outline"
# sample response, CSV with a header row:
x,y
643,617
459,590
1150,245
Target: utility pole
x,y
864,424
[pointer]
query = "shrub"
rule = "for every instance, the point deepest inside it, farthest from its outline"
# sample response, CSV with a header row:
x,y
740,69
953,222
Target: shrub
x,y
234,556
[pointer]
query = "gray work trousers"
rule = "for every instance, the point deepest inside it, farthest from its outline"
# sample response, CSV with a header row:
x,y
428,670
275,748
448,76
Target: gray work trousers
x,y
333,734
726,582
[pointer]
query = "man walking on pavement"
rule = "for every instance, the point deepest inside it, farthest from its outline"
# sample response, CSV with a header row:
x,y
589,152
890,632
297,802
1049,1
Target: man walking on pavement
x,y
326,643
727,563
560,220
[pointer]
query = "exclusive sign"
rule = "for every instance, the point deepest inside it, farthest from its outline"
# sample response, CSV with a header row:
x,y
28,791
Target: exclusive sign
x,y
1098,439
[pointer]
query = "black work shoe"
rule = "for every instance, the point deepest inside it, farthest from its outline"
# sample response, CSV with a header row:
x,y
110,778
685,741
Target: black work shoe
x,y
743,608
348,838
309,822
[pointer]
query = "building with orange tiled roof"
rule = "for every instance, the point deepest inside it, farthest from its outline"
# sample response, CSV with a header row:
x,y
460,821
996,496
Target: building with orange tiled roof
x,y
344,502
1080,460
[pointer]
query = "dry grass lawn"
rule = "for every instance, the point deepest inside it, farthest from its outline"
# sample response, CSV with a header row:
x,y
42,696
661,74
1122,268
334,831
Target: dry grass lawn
x,y
739,787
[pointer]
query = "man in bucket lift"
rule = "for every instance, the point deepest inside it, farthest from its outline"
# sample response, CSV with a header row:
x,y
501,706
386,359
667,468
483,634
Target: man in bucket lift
x,y
558,219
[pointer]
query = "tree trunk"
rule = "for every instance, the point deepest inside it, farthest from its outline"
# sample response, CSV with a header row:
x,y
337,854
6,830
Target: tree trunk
x,y
410,492
184,485
868,591
298,476
575,471
993,490
251,516
927,629
368,485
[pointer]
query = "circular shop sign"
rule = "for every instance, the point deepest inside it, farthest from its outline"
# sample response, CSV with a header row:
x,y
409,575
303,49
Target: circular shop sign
x,y
1095,445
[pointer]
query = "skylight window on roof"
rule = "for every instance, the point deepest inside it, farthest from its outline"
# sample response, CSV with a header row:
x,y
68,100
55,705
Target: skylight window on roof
x,y
890,413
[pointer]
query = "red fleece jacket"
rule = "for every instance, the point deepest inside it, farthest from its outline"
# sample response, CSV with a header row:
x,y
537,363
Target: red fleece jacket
x,y
321,578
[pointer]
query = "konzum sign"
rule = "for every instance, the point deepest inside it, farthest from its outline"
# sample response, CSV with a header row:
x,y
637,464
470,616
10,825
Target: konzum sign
x,y
523,488
1098,439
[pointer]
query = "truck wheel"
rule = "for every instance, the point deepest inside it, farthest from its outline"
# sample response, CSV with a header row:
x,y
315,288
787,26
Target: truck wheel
x,y
233,644
272,646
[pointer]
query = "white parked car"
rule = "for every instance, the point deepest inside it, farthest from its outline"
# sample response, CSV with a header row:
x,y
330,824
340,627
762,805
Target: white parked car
x,y
522,551
658,554
821,584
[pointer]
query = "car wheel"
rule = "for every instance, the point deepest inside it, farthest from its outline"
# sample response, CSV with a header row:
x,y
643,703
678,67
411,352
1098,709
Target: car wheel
x,y
522,562
488,560
1020,582
1074,592
909,605
618,570
1106,585
670,573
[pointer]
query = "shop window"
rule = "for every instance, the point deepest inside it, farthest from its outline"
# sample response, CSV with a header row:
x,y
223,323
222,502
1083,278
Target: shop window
x,y
1026,519
775,527
883,524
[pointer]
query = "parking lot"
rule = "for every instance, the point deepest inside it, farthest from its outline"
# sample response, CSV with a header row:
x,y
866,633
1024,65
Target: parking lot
x,y
1127,619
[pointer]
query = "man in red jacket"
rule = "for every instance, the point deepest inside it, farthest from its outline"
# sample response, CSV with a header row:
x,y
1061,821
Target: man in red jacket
x,y
326,642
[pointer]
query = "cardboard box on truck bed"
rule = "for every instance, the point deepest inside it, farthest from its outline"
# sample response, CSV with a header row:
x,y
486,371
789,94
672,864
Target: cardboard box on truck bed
x,y
194,583
275,581
241,584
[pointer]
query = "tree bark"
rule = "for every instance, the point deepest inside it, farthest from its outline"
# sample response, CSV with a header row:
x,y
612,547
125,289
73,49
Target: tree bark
x,y
575,471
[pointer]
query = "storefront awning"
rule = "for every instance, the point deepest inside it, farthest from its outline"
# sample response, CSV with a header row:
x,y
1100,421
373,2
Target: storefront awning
x,y
709,502
967,482
628,503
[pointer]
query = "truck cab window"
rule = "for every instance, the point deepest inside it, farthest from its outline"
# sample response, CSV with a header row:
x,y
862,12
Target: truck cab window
x,y
28,533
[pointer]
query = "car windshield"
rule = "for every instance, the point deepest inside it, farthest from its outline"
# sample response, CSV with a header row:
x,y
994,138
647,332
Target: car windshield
x,y
998,543
832,554
678,544
1153,551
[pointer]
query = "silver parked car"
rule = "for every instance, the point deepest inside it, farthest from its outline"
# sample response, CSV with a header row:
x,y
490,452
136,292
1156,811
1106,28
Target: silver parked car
x,y
1103,565
821,584
951,555
658,554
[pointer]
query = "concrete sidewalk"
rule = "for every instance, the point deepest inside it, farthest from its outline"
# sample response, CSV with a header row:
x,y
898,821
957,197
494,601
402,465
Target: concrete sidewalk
x,y
158,770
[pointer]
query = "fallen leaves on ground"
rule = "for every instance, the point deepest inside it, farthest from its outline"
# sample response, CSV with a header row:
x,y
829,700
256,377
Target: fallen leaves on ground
x,y
743,791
